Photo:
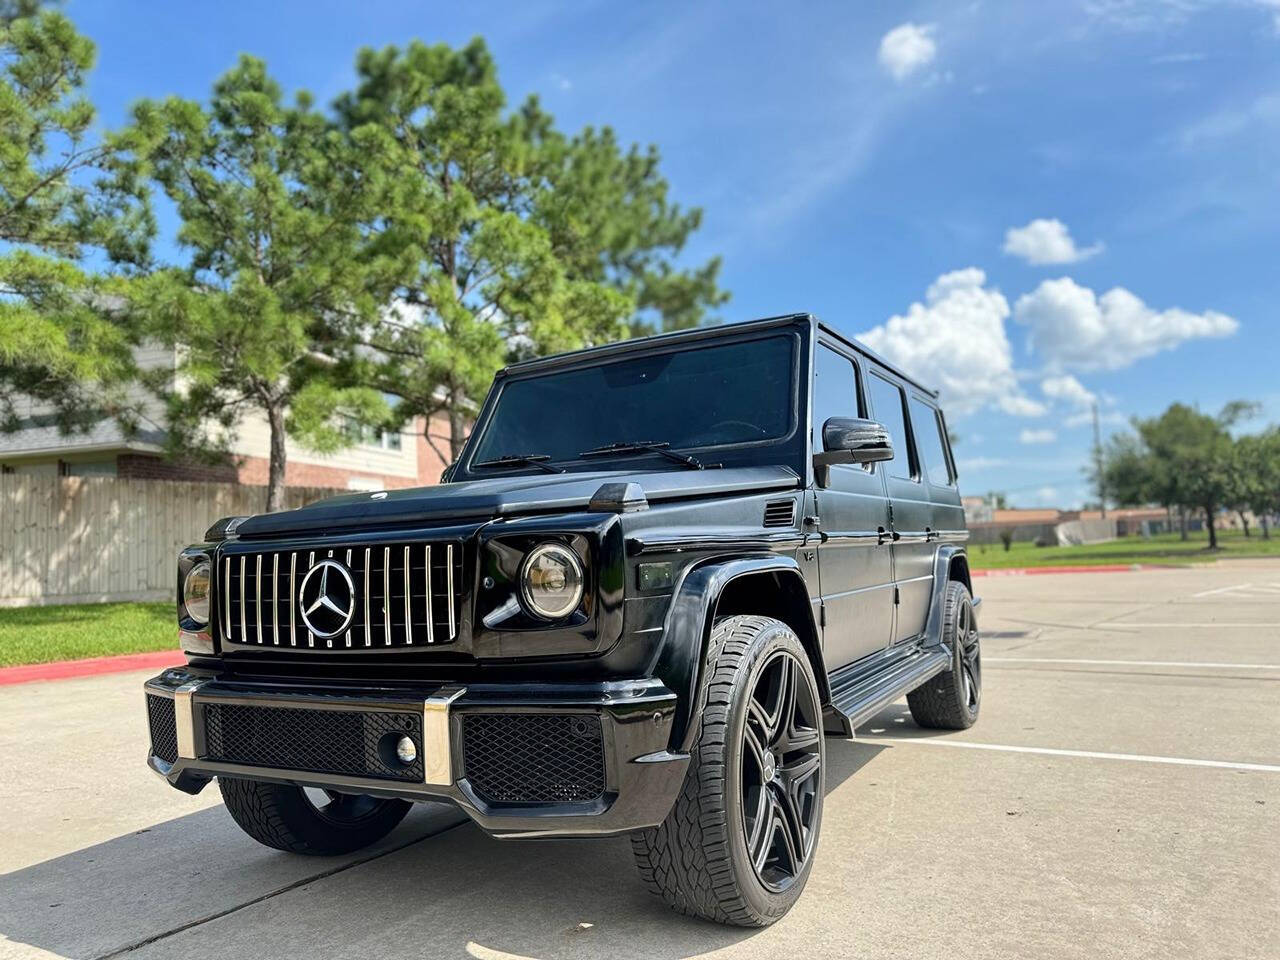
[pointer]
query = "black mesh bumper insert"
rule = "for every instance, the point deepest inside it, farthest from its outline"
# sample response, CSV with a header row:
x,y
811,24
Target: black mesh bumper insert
x,y
164,728
534,757
352,742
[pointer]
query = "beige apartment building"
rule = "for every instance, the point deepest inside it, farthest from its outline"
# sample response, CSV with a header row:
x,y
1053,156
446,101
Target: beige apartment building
x,y
375,461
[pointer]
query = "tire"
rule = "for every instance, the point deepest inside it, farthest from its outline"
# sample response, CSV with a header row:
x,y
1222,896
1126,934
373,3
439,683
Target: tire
x,y
699,859
284,817
951,700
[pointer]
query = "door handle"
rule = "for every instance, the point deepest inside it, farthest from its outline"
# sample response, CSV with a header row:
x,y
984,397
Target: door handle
x,y
883,536
930,535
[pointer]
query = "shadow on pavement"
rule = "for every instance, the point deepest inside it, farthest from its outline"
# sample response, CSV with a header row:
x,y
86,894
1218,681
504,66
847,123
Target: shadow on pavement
x,y
196,886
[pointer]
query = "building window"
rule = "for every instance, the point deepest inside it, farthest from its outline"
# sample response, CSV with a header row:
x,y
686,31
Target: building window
x,y
365,435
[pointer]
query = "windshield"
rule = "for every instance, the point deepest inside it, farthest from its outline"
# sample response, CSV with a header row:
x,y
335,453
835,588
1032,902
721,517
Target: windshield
x,y
706,396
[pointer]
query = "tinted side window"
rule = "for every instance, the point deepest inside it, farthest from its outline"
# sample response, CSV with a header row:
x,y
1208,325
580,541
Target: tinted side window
x,y
887,404
835,390
931,446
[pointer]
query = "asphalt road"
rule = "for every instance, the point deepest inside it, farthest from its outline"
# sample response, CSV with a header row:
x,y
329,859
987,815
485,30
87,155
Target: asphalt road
x,y
1119,797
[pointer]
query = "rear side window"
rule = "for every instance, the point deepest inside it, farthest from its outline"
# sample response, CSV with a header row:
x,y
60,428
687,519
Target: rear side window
x,y
888,405
930,443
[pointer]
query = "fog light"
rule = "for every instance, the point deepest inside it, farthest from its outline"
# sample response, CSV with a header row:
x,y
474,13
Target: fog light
x,y
406,750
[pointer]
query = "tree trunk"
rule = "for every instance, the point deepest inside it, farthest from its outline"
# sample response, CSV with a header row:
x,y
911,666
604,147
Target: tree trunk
x,y
1168,517
275,470
1266,530
1244,521
1182,521
1213,531
457,429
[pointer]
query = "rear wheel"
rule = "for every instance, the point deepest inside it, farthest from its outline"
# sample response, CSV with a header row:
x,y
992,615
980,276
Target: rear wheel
x,y
309,820
950,701
738,845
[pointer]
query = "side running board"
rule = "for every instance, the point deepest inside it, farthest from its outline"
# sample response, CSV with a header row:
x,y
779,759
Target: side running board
x,y
858,694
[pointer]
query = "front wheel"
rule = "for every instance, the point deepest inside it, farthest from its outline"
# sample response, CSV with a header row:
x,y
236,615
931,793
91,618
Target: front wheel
x,y
317,822
738,845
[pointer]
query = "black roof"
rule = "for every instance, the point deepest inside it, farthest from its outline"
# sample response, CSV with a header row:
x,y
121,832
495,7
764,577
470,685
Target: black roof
x,y
695,334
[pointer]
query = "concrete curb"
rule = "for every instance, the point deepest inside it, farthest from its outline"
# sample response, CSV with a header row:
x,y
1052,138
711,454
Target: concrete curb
x,y
1030,571
91,666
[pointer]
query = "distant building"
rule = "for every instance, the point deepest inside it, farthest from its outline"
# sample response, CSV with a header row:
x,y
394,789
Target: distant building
x,y
375,461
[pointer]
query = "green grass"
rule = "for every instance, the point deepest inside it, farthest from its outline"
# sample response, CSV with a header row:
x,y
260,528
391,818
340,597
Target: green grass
x,y
1163,549
42,634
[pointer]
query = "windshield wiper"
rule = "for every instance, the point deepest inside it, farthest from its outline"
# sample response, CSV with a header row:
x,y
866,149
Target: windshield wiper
x,y
643,446
520,460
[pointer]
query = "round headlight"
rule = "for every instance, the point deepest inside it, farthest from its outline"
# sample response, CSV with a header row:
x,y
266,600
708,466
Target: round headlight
x,y
551,581
195,592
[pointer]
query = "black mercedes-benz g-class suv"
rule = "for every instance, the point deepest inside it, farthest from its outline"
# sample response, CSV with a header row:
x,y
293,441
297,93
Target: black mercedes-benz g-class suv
x,y
657,573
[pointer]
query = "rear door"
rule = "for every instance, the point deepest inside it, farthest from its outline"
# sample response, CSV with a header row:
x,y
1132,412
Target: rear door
x,y
854,559
911,510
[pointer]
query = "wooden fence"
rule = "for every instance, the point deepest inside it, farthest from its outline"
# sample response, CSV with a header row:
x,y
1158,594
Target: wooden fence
x,y
94,539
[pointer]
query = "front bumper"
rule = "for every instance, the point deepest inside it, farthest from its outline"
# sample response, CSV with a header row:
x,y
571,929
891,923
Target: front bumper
x,y
522,760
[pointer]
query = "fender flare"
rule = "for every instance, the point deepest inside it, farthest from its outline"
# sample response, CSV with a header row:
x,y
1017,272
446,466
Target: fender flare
x,y
944,560
686,656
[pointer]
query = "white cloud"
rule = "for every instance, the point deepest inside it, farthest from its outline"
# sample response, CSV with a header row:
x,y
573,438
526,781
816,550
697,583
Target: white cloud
x,y
1068,388
1045,241
1037,436
907,48
956,341
1071,327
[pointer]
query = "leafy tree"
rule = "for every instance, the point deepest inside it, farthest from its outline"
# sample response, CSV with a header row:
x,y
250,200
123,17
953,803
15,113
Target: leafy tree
x,y
526,242
275,205
1182,457
63,203
1257,460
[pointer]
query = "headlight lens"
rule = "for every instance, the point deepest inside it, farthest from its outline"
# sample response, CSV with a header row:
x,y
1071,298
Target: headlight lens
x,y
551,581
196,591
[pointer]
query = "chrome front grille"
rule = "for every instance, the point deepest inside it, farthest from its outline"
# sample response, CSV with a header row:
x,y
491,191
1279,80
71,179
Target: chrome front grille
x,y
405,595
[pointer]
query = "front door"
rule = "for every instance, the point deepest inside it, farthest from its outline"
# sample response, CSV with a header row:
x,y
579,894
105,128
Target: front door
x,y
855,569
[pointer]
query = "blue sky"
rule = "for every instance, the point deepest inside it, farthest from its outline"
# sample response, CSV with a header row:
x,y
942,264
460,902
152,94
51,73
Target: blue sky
x,y
867,162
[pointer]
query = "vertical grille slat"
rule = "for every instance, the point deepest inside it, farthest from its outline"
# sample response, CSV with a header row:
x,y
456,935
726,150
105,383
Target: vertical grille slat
x,y
311,562
275,599
407,590
226,602
257,596
431,627
448,566
293,598
408,608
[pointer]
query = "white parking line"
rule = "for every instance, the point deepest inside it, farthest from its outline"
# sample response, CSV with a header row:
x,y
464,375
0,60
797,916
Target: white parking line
x,y
1210,593
1088,754
1210,626
1137,663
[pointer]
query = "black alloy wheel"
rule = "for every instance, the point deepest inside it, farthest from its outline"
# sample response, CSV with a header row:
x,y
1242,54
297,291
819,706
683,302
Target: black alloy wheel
x,y
781,760
970,655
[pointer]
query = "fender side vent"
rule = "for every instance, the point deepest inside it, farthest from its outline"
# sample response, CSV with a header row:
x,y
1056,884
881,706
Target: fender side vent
x,y
780,513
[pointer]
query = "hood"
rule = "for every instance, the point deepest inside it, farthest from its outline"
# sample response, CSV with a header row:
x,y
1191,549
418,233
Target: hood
x,y
508,496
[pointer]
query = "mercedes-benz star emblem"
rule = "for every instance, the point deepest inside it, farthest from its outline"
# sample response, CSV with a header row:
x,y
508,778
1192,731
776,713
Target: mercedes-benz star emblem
x,y
328,601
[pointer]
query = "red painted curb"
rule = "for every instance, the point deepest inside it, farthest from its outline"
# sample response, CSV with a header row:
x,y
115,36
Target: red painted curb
x,y
63,669
1028,571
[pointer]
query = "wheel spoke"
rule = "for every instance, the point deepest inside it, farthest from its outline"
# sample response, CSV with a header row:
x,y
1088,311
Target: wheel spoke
x,y
765,829
787,814
753,748
798,738
796,773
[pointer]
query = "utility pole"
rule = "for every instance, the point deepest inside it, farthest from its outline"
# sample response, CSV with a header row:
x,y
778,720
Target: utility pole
x,y
1097,463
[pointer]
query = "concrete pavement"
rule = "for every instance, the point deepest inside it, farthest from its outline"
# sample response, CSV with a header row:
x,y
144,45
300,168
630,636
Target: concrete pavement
x,y
1122,848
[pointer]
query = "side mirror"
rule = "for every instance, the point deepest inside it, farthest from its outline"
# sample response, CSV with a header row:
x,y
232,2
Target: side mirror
x,y
853,440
